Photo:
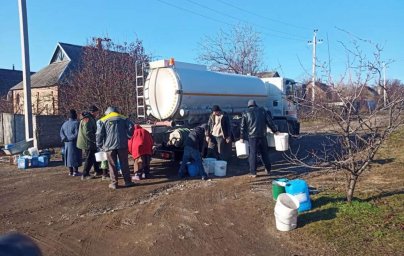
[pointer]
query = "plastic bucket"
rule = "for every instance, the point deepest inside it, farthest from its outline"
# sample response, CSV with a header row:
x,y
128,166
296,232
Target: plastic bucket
x,y
270,138
281,141
286,205
193,169
220,168
33,151
242,149
277,188
285,224
100,156
286,212
209,165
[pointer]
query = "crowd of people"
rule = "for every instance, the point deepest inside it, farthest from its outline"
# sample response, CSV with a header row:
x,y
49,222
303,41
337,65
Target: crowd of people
x,y
113,134
117,136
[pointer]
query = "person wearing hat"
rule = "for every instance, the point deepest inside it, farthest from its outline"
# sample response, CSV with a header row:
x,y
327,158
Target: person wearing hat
x,y
68,135
218,134
253,128
86,141
193,149
113,132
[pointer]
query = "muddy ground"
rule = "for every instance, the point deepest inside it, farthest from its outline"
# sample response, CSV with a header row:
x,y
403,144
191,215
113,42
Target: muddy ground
x,y
159,216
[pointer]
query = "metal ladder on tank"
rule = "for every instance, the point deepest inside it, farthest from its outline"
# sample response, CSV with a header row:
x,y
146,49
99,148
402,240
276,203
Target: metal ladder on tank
x,y
140,98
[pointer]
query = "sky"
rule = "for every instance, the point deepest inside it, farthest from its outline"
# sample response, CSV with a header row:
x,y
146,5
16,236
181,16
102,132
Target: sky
x,y
175,28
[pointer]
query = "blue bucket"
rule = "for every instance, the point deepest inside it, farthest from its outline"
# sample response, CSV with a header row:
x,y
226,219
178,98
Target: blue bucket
x,y
193,169
300,190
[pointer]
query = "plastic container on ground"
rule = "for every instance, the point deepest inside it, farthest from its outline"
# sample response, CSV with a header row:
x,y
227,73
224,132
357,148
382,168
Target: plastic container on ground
x,y
278,187
299,189
193,169
22,163
100,156
286,212
285,224
220,168
281,141
33,151
209,165
270,138
43,161
34,161
242,149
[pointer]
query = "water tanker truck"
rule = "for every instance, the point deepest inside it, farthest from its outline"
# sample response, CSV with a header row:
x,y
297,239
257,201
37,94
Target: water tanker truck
x,y
180,95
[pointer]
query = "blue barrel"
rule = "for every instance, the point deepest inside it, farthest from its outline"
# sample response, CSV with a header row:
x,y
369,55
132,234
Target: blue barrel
x,y
193,169
300,190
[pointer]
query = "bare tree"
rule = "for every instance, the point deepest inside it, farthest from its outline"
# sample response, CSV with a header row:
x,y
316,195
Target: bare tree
x,y
6,104
356,133
106,76
236,51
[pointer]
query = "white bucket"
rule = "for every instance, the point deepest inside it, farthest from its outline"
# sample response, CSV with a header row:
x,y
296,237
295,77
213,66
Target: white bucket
x,y
285,224
209,165
270,138
281,141
286,212
220,168
33,151
100,156
242,149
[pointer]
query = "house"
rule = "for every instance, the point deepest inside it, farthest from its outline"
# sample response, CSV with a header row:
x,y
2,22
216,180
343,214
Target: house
x,y
9,78
46,82
322,91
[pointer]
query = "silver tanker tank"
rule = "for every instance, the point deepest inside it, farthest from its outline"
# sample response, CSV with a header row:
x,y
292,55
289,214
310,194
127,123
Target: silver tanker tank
x,y
184,91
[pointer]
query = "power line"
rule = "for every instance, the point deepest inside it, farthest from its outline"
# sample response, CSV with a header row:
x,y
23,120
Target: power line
x,y
245,21
261,16
195,13
216,20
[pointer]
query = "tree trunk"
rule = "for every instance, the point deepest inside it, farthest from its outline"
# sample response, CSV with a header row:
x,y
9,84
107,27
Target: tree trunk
x,y
351,187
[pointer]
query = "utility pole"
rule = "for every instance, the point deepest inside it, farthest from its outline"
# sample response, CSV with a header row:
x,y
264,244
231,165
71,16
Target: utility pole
x,y
26,72
313,81
384,85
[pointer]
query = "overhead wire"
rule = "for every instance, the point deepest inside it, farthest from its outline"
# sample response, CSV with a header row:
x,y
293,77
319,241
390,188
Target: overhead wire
x,y
245,21
195,13
219,21
261,16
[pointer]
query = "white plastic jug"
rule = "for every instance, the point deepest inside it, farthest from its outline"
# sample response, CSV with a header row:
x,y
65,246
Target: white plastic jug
x,y
242,149
220,168
100,156
281,141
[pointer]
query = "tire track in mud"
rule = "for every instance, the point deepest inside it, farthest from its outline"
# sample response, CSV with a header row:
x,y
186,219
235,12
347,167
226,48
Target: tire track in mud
x,y
53,245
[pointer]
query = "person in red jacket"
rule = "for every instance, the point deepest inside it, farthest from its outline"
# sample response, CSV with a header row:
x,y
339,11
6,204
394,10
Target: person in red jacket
x,y
141,147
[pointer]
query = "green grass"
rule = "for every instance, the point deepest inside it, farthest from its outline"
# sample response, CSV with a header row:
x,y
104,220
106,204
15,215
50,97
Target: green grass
x,y
373,224
368,226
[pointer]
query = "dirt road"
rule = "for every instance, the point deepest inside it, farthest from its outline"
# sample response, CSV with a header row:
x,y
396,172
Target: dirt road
x,y
160,216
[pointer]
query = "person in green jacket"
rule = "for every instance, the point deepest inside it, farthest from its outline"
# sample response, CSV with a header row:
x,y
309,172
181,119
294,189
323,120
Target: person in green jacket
x,y
87,141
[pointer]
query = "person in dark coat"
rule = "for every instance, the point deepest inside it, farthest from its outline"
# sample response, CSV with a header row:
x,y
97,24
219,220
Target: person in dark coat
x,y
253,128
218,134
68,135
86,142
194,145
